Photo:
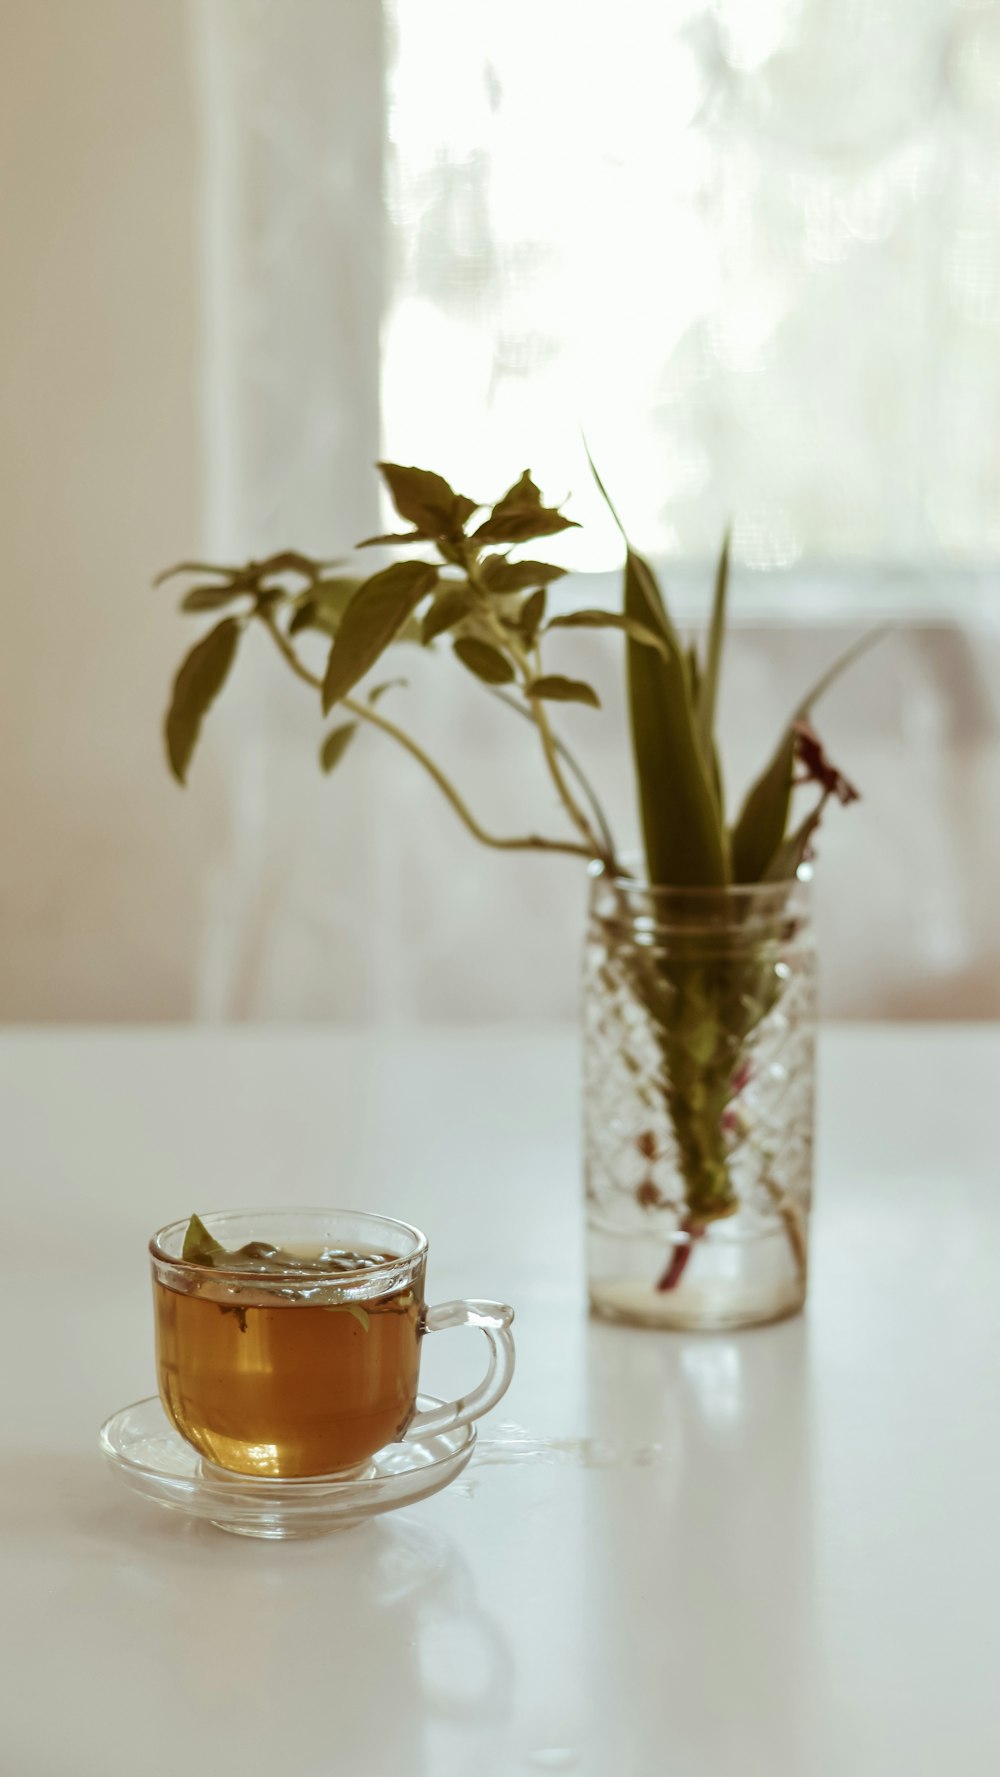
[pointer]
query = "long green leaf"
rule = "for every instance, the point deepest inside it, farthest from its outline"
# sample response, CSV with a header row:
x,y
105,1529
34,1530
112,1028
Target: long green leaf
x,y
840,665
373,619
760,827
714,767
681,823
682,828
762,820
790,853
197,685
709,687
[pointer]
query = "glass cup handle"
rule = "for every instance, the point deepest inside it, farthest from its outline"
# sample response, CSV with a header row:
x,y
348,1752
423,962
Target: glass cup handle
x,y
492,1318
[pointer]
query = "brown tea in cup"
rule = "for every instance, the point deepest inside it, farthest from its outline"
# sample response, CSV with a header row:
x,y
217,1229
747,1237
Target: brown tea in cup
x,y
296,1352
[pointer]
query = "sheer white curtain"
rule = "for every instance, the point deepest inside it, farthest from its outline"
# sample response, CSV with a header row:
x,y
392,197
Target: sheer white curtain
x,y
765,277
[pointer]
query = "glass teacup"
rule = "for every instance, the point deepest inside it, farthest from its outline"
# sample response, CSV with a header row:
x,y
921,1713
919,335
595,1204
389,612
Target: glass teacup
x,y
306,1363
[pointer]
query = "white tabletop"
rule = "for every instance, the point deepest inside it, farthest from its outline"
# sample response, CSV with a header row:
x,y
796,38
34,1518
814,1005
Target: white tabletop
x,y
769,1555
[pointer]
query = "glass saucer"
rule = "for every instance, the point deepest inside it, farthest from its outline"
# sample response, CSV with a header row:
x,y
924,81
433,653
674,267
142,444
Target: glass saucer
x,y
150,1457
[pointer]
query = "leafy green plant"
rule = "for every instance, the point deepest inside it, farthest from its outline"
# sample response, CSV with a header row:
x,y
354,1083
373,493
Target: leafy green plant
x,y
464,589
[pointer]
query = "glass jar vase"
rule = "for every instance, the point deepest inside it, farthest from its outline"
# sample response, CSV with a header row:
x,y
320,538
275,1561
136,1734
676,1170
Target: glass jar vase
x,y
699,1061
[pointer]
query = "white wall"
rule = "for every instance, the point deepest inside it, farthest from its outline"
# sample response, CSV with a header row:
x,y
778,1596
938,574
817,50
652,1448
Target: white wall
x,y
99,485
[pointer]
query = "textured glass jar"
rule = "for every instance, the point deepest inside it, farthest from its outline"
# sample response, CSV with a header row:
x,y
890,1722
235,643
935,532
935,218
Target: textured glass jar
x,y
699,1038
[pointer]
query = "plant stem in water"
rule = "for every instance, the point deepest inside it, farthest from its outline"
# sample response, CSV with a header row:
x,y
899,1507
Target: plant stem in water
x,y
680,1256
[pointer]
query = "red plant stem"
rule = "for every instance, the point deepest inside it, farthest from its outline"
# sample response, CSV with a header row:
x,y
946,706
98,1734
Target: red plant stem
x,y
680,1257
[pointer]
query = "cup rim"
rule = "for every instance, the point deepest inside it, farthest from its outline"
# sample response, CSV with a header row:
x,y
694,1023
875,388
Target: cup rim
x,y
303,1272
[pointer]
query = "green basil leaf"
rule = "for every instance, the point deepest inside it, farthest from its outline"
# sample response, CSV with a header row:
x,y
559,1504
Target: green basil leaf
x,y
336,744
560,690
426,499
522,527
377,692
450,606
305,616
198,683
484,660
532,615
521,515
211,598
324,605
501,575
290,561
198,567
395,537
373,619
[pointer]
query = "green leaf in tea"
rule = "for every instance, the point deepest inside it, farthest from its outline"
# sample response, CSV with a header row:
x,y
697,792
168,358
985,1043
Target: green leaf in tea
x,y
355,1309
375,616
558,689
198,683
336,744
427,500
485,661
200,1247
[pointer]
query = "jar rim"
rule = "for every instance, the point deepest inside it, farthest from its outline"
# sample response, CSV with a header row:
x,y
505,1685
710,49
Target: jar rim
x,y
711,893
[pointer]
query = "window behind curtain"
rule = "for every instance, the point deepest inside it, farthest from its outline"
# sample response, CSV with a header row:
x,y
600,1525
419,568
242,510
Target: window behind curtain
x,y
753,246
